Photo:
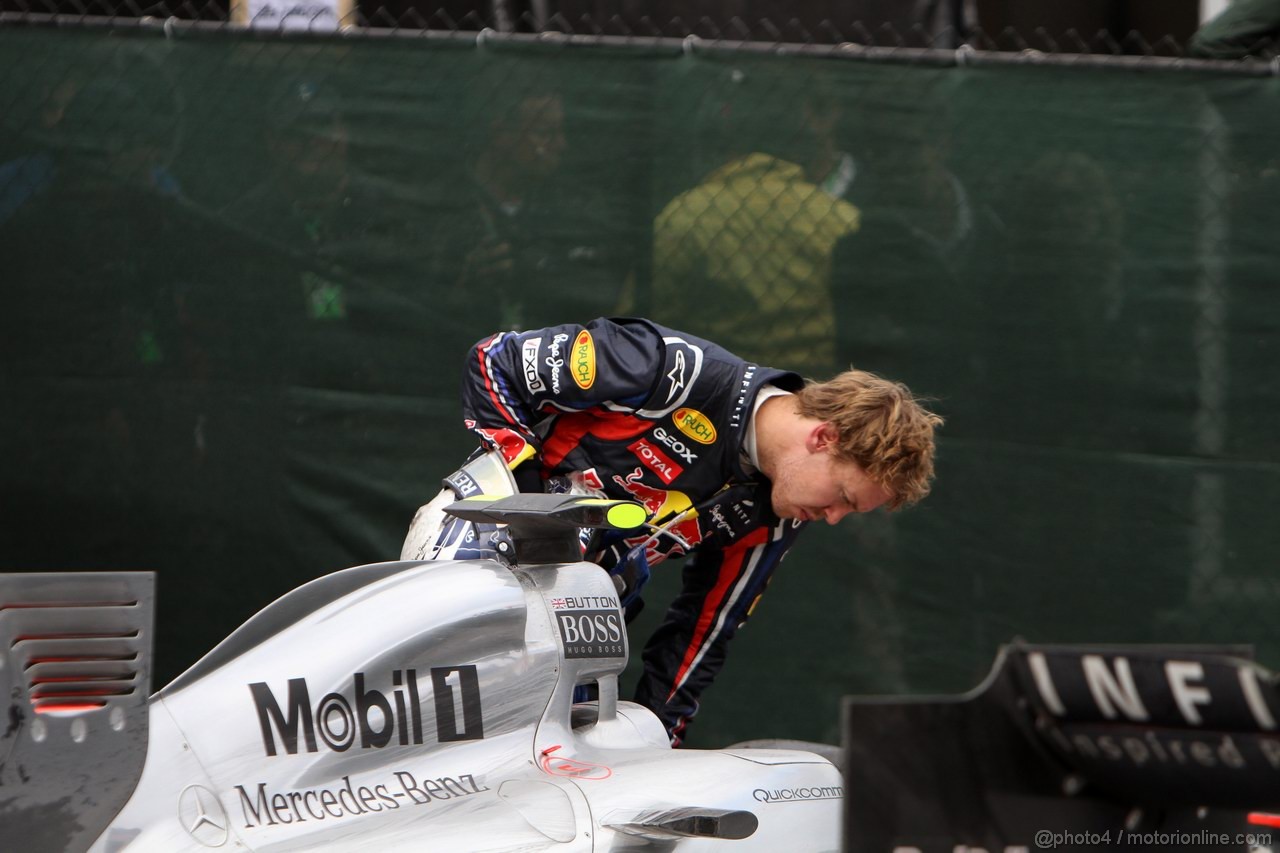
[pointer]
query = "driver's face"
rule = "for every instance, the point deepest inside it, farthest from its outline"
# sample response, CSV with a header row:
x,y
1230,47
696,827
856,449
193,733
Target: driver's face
x,y
819,487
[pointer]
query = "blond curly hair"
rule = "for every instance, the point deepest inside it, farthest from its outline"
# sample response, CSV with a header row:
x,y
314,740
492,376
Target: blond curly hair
x,y
882,428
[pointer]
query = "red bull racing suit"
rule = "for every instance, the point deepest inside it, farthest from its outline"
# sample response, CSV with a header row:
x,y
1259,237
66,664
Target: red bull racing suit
x,y
642,412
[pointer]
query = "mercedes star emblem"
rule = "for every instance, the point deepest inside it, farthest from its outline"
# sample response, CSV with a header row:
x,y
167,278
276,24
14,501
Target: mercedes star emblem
x,y
202,816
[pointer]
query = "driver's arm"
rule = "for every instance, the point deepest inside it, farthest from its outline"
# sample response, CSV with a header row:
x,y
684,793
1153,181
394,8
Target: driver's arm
x,y
514,381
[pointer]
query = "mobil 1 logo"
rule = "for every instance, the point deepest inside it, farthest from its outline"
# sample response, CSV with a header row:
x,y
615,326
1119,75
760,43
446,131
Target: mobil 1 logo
x,y
587,629
363,717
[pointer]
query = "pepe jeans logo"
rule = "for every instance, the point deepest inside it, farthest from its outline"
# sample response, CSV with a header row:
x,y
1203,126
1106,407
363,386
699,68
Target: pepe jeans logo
x,y
555,362
376,718
583,366
696,425
718,518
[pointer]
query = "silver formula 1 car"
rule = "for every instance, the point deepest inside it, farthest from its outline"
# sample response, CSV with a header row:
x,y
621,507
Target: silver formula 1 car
x,y
397,706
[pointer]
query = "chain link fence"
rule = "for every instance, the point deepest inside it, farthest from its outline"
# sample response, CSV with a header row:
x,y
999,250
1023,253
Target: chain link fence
x,y
1249,28
242,269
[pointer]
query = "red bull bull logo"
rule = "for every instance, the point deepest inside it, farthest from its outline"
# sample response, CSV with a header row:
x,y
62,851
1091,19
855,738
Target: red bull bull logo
x,y
662,505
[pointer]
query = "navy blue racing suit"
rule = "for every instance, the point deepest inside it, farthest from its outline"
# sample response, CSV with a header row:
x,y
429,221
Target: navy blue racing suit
x,y
642,412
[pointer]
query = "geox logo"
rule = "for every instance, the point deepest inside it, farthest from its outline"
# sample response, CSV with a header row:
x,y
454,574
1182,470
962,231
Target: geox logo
x,y
377,718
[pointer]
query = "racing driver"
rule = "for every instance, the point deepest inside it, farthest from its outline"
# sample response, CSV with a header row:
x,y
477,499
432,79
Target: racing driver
x,y
731,459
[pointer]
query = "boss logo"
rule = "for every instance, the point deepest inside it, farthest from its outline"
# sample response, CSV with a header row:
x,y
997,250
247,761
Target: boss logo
x,y
591,633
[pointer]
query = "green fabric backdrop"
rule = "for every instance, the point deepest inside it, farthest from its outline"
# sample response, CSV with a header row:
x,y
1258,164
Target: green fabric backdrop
x,y
241,273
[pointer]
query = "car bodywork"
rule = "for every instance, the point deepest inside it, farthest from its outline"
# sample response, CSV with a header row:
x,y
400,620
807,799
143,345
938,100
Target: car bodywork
x,y
422,706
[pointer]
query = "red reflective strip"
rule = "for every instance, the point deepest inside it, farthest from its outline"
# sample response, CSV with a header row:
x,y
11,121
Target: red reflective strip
x,y
78,678
1260,819
36,697
70,706
729,570
570,429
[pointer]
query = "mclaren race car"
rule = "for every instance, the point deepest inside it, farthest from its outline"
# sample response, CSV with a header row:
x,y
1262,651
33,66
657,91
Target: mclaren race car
x,y
397,706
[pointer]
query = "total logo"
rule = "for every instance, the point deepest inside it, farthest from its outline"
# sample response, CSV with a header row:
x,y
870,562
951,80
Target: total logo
x,y
696,425
378,719
655,460
583,360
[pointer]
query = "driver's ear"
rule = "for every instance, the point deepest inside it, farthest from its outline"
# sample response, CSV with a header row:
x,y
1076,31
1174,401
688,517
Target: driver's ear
x,y
821,438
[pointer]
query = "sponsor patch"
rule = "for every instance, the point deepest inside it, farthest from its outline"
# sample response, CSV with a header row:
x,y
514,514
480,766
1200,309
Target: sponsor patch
x,y
263,806
661,505
655,460
463,484
676,376
512,445
696,425
681,449
583,360
794,795
365,718
555,362
591,633
584,602
529,364
202,815
740,407
591,479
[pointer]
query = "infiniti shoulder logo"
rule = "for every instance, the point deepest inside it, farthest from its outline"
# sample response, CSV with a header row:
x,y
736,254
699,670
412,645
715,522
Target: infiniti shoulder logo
x,y
202,816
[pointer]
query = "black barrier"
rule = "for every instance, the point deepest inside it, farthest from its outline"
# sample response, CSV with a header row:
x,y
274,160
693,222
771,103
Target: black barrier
x,y
1068,748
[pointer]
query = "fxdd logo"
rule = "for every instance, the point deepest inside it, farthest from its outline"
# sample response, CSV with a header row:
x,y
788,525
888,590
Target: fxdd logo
x,y
377,718
529,363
